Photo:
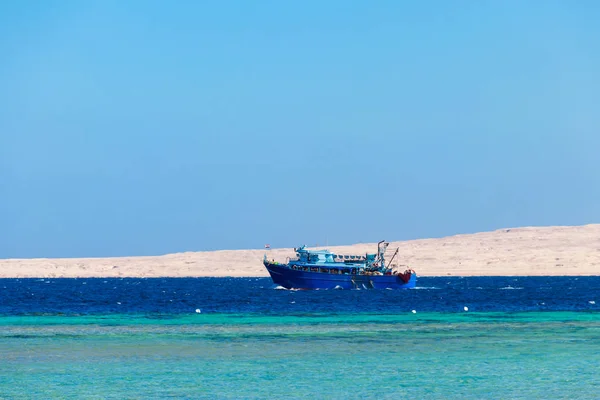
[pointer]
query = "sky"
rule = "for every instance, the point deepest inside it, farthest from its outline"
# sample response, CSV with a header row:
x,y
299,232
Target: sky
x,y
153,127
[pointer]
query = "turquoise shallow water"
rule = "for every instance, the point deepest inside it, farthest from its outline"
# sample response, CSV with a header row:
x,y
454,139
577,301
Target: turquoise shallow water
x,y
521,338
494,355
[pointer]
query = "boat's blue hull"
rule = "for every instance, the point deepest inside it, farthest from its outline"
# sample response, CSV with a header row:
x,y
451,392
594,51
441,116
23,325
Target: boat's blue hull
x,y
298,279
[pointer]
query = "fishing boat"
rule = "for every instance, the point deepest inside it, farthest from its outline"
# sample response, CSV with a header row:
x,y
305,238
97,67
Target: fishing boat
x,y
322,269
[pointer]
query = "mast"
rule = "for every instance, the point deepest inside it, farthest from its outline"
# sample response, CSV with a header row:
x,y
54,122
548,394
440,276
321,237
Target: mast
x,y
395,253
381,247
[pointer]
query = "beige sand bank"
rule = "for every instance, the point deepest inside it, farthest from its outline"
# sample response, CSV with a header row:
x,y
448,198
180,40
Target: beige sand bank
x,y
559,250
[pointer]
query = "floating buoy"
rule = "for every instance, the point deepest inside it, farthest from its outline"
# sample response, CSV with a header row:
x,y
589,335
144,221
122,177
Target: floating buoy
x,y
466,308
414,311
198,311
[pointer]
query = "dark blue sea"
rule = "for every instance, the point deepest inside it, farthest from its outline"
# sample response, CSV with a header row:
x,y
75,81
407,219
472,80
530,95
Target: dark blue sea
x,y
245,338
259,296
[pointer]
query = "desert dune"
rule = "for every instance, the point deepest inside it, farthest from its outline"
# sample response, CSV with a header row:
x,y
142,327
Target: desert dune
x,y
528,251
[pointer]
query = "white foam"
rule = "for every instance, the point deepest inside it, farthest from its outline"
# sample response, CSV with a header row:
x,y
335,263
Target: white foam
x,y
592,302
511,288
466,308
414,311
198,311
338,287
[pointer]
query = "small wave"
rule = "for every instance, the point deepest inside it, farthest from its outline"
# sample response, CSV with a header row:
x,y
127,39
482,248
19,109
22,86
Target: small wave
x,y
511,288
279,287
426,287
338,287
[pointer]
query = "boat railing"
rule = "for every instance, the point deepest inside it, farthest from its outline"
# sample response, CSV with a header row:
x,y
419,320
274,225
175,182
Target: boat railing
x,y
327,270
342,258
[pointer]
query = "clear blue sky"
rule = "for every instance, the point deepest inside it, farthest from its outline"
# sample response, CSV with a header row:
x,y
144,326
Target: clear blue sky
x,y
150,127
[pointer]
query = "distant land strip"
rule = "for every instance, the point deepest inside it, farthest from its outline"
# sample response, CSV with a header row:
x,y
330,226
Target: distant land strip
x,y
527,251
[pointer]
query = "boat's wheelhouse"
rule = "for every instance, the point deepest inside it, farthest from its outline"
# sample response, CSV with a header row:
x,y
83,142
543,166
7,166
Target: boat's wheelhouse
x,y
314,256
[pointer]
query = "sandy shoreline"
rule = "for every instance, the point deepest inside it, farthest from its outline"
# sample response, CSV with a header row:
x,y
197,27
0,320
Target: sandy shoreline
x,y
531,251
